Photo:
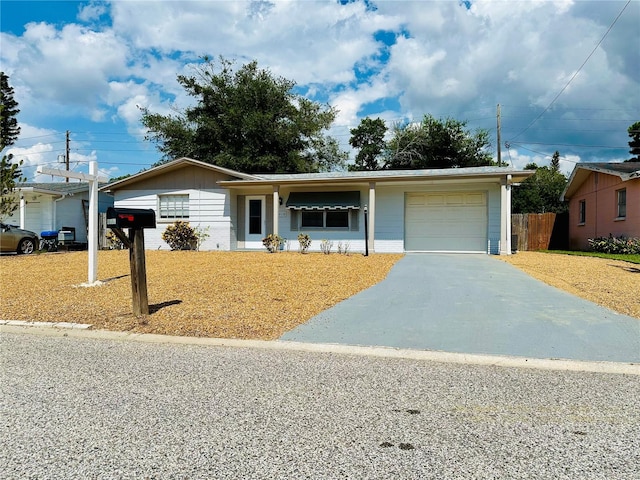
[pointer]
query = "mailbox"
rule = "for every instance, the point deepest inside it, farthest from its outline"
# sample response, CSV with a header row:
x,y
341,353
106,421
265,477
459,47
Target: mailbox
x,y
131,218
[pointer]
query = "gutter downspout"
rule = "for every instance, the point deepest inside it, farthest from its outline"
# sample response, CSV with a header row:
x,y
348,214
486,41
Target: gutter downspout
x,y
55,209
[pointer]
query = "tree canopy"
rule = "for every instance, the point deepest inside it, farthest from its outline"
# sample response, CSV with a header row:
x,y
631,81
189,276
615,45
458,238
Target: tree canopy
x,y
10,173
249,120
368,137
634,143
437,143
540,193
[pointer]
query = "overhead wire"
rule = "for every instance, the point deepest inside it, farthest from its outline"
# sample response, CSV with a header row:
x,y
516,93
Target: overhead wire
x,y
575,74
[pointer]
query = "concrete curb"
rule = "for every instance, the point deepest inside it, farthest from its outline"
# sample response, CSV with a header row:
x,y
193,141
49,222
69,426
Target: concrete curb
x,y
63,329
22,323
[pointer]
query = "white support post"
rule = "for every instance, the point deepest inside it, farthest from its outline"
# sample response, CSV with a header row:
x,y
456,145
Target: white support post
x,y
372,216
93,178
93,222
23,212
276,208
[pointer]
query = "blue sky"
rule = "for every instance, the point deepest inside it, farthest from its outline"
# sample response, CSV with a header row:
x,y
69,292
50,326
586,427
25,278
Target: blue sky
x,y
566,73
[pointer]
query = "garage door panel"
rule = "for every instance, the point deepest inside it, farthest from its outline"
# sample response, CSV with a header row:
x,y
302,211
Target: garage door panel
x,y
446,221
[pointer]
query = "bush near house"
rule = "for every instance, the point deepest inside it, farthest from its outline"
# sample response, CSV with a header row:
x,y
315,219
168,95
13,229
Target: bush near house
x,y
305,242
618,245
180,236
272,242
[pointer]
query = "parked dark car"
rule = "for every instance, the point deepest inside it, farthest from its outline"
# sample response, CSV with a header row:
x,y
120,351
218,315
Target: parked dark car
x,y
14,239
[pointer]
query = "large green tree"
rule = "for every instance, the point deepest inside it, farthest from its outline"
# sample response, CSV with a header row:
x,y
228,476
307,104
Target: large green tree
x,y
634,143
437,143
540,193
248,120
368,138
10,173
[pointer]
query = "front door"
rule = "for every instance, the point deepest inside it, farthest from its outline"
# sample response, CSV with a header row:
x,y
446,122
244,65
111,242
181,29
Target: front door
x,y
255,221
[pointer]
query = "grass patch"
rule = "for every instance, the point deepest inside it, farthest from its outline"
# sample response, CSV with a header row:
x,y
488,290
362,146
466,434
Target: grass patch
x,y
632,258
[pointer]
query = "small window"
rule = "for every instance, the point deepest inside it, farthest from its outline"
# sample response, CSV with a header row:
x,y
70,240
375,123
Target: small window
x,y
173,206
329,219
622,203
312,218
582,213
337,219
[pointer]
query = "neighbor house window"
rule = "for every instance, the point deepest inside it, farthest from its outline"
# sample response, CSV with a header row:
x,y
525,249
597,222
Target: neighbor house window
x,y
622,203
331,219
582,212
173,207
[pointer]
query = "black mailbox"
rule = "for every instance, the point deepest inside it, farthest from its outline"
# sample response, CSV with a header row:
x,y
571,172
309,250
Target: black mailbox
x,y
131,218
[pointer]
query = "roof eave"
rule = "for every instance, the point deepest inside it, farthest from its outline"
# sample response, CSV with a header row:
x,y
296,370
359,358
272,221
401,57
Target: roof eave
x,y
581,172
169,166
516,176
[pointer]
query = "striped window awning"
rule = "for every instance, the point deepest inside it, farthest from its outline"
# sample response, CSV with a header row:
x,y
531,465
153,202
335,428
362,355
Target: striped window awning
x,y
323,200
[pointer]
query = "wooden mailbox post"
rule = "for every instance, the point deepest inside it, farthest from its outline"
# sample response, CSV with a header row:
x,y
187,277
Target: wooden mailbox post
x,y
136,220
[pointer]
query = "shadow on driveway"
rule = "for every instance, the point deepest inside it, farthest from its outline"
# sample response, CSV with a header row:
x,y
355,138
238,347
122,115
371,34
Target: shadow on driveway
x,y
474,304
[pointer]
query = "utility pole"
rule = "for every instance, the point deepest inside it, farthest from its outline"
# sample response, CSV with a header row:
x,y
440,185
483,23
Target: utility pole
x,y
499,151
66,157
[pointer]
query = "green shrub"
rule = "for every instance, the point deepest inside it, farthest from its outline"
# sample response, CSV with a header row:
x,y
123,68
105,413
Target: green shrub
x,y
305,242
619,245
272,242
180,236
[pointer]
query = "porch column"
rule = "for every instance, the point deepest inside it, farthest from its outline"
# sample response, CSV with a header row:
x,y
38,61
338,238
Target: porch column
x,y
505,215
276,208
372,215
509,182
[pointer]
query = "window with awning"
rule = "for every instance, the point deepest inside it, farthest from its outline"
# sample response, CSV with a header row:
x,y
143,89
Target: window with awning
x,y
324,210
324,200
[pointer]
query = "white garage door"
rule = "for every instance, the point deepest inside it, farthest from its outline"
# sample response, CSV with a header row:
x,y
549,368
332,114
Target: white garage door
x,y
446,222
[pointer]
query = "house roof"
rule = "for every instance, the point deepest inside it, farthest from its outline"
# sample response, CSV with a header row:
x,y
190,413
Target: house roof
x,y
381,176
171,166
625,170
54,188
244,180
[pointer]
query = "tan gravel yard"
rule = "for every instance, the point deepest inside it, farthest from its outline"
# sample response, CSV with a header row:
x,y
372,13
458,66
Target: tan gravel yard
x,y
611,283
251,294
214,294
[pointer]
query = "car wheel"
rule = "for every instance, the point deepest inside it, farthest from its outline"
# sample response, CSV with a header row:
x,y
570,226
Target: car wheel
x,y
26,246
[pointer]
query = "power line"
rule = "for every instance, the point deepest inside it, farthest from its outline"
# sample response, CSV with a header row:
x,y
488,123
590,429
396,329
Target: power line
x,y
570,145
576,73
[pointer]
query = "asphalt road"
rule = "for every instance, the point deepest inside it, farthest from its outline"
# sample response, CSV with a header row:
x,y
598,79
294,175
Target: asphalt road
x,y
94,408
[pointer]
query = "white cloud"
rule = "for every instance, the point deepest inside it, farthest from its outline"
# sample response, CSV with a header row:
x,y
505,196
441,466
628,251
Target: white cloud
x,y
68,66
91,12
446,60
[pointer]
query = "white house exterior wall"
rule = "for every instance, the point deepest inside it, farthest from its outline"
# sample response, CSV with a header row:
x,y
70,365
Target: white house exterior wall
x,y
353,238
209,210
390,213
389,226
38,214
69,214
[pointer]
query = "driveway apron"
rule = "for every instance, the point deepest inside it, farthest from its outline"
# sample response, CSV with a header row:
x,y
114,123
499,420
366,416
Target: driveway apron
x,y
474,304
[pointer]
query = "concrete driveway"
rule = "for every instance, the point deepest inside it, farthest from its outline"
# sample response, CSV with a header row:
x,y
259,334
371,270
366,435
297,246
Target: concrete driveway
x,y
474,304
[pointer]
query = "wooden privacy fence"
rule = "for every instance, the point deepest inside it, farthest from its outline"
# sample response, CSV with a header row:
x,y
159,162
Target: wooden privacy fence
x,y
539,231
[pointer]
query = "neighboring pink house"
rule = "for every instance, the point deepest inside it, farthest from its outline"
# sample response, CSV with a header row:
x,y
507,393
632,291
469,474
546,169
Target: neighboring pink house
x,y
604,199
